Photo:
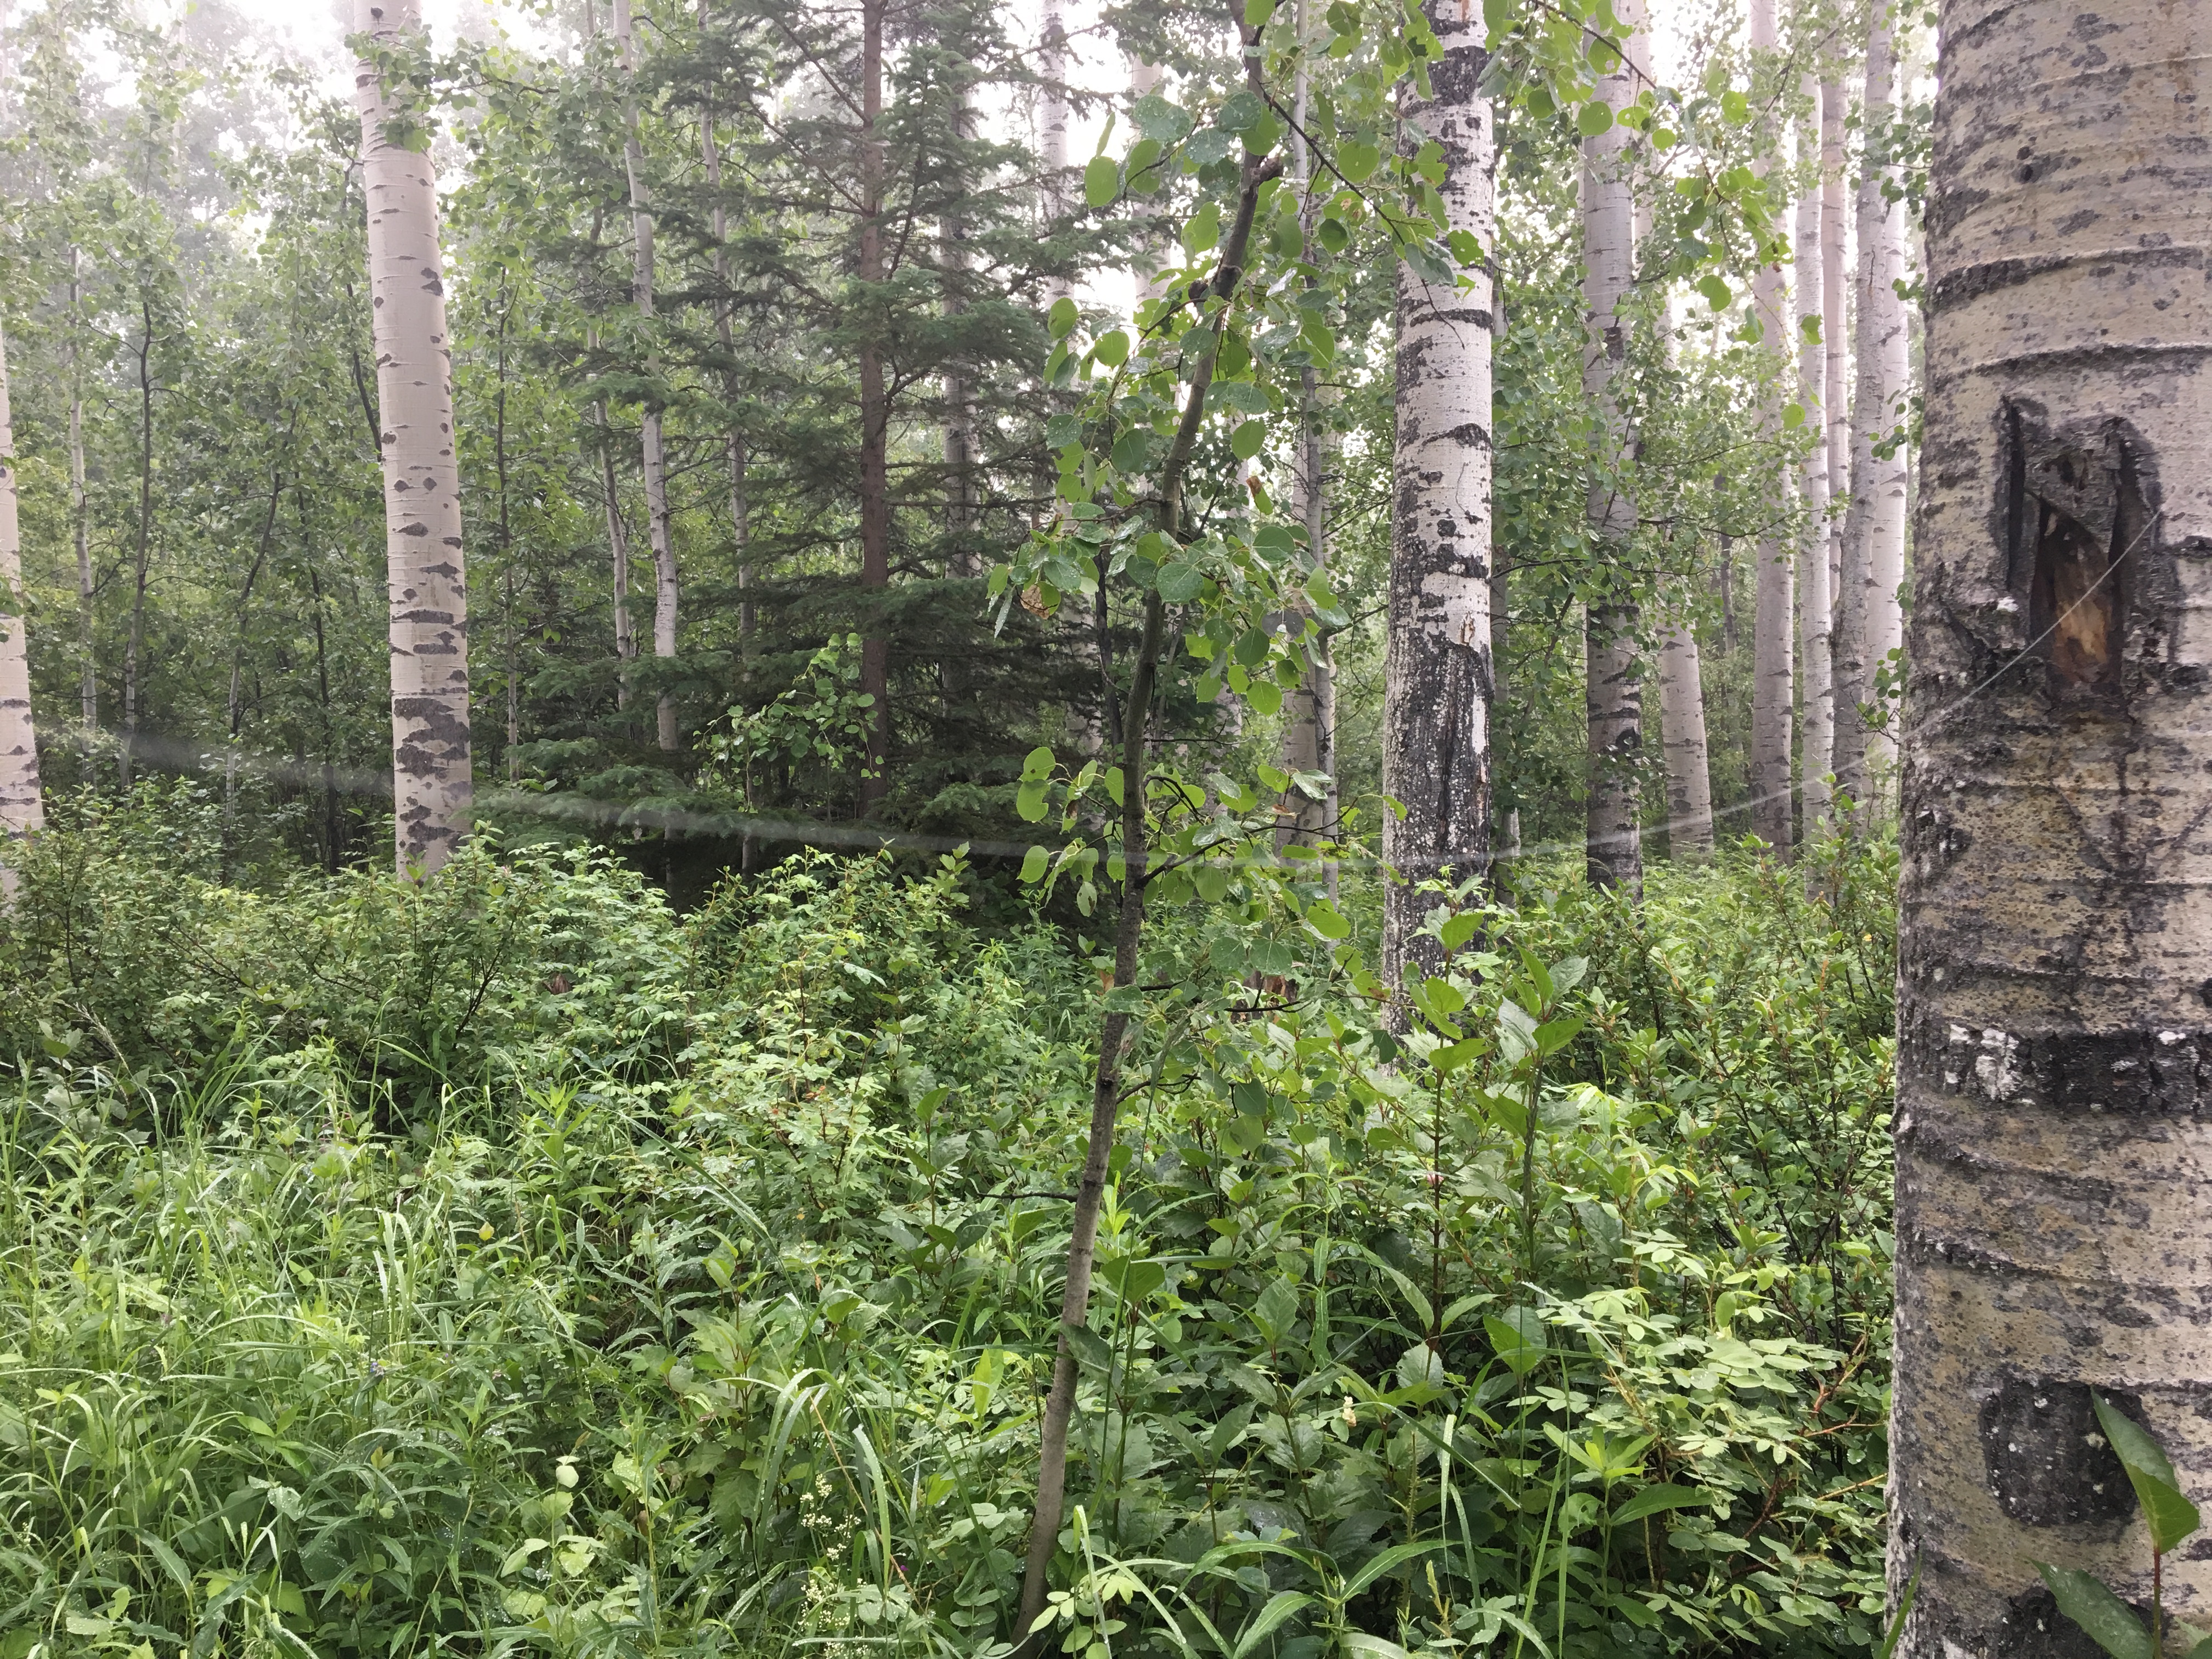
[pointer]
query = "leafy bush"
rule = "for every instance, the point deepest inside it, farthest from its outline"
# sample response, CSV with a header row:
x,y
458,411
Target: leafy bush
x,y
514,1262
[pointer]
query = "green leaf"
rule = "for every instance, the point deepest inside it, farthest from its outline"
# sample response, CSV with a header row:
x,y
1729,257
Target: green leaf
x,y
1037,764
1102,181
1249,440
2172,1516
1283,1604
2103,1617
1328,921
1029,802
1903,1612
1461,928
1389,1561
1264,697
1715,291
1276,1312
1158,119
1256,13
1735,108
1200,231
1133,451
1262,135
1143,160
1521,1348
1179,583
1061,318
1652,1500
1112,349
1357,161
1593,119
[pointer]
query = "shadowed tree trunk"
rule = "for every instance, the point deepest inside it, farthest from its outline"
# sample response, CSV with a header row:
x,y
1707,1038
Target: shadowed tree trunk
x,y
733,440
1773,694
1816,728
1835,381
81,509
875,419
431,764
134,641
1436,687
1613,683
1869,624
22,812
2054,1115
655,462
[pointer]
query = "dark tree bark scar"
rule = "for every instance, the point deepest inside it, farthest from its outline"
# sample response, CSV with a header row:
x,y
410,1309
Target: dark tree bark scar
x,y
2046,1462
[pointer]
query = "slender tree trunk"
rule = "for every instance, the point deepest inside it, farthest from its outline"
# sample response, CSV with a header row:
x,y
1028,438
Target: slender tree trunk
x,y
1052,119
1310,738
1817,729
1682,739
1773,695
79,511
507,544
430,762
23,811
875,423
734,439
1106,1094
134,644
2054,1118
234,703
655,464
1835,335
1437,685
1612,685
965,558
1871,623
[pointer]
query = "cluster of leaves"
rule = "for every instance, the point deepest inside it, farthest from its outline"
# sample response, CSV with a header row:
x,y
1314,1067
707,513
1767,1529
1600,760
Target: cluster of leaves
x,y
703,1298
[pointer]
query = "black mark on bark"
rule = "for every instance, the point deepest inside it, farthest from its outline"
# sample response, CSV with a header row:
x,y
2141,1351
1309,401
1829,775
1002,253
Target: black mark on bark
x,y
2047,1464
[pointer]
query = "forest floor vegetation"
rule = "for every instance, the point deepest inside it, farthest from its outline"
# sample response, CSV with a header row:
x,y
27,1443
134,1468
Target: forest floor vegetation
x,y
514,1265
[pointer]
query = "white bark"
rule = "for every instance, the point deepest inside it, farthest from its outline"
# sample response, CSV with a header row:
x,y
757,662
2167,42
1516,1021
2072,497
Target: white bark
x,y
1773,652
1052,117
734,439
21,812
1871,624
1835,335
1612,684
1683,738
81,511
1816,730
1436,687
656,471
431,781
2054,1109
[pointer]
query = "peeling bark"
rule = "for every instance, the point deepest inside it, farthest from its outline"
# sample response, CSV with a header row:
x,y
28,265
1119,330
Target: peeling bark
x,y
1436,687
23,812
2054,1114
430,759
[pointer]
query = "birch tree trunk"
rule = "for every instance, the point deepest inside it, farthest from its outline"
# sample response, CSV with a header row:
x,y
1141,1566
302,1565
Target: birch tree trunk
x,y
430,762
1816,730
734,439
134,641
1682,739
2054,1143
1437,685
1835,337
81,511
1613,682
1870,624
875,418
1052,117
655,464
1310,738
1773,652
23,812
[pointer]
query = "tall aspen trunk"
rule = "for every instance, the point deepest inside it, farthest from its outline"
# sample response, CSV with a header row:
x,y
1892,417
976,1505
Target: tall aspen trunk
x,y
1816,730
430,760
134,642
23,812
654,462
961,503
81,511
1052,119
2054,1118
1835,335
1870,624
1773,650
1613,683
741,529
1437,685
1310,738
1682,740
875,420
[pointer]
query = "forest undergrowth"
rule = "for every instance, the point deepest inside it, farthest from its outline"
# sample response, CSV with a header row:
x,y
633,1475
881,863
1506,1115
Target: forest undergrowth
x,y
515,1265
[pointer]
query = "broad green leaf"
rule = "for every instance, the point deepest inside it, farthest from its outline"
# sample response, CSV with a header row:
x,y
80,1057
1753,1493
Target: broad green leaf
x,y
1264,697
1141,166
1179,583
1461,928
2172,1516
1262,135
1112,349
1061,318
1249,440
1200,231
1283,1604
1735,108
1328,921
1037,764
1356,160
1030,801
1102,181
1518,1337
1717,292
1653,1499
1276,1310
1593,119
2103,1617
1793,416
1158,119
